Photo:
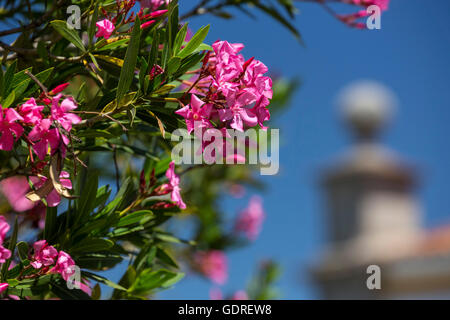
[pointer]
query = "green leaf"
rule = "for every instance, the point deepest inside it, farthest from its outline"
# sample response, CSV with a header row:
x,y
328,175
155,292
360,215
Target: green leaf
x,y
11,247
91,28
173,280
91,245
125,101
169,238
179,40
42,51
128,278
148,280
114,45
153,55
30,287
22,248
70,34
103,280
59,288
87,198
172,24
165,257
173,65
119,199
94,61
164,89
7,79
127,72
9,100
50,222
145,256
134,217
20,89
195,42
99,261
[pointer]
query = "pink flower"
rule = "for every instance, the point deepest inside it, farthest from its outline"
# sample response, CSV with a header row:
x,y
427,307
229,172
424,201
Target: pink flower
x,y
44,137
53,198
173,185
240,295
5,254
61,112
196,111
153,4
14,189
31,112
59,88
10,130
213,264
44,255
64,265
3,287
238,117
250,219
105,28
383,4
147,24
4,228
350,18
215,294
156,14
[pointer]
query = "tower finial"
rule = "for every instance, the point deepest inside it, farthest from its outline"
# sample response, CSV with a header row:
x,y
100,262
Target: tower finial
x,y
367,106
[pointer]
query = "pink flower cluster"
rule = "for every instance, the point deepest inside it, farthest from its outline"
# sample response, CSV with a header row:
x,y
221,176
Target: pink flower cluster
x,y
229,91
174,182
250,219
45,133
4,253
45,130
213,264
46,256
173,187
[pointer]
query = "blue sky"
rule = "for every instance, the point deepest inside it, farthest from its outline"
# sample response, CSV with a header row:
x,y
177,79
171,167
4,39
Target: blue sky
x,y
409,55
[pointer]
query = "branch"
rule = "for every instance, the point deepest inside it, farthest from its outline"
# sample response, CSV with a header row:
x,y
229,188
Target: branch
x,y
33,24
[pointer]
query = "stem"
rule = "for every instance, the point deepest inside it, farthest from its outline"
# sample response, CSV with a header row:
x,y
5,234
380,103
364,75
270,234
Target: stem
x,y
43,88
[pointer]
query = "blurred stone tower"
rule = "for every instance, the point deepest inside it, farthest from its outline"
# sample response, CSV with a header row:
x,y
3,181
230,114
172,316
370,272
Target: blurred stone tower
x,y
372,215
